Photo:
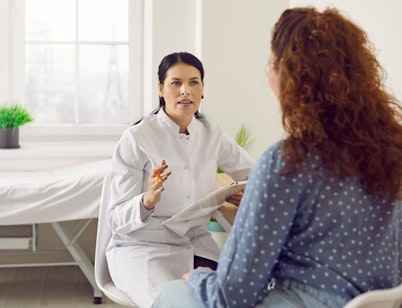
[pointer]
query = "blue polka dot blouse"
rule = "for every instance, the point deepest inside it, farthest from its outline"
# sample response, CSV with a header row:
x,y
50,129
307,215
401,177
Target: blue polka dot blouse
x,y
321,231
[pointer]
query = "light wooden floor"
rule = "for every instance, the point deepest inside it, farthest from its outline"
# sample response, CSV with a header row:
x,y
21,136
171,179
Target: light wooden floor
x,y
54,286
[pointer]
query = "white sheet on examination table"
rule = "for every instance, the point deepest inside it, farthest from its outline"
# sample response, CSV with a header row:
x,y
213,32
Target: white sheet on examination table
x,y
68,193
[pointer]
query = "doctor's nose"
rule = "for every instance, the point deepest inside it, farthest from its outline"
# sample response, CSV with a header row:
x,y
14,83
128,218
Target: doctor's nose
x,y
184,91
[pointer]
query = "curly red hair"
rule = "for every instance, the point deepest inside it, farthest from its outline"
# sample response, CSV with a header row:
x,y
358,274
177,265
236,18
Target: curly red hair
x,y
334,102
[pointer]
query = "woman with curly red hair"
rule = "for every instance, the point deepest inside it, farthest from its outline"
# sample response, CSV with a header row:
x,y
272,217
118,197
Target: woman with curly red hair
x,y
320,221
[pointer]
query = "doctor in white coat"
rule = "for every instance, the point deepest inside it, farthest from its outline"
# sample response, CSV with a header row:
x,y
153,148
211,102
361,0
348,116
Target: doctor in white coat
x,y
161,165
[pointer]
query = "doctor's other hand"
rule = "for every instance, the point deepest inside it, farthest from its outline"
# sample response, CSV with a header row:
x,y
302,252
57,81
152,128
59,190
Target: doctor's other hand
x,y
235,198
155,185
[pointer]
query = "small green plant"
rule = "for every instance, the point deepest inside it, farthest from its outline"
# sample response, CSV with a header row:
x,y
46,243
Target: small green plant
x,y
243,138
14,116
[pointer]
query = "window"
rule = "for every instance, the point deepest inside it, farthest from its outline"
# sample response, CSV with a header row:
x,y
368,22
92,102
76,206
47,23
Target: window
x,y
81,59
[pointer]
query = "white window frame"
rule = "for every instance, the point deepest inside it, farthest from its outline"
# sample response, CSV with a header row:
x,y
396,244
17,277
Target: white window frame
x,y
16,76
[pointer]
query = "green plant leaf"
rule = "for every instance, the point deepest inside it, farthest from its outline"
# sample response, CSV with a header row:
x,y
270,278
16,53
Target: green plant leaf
x,y
243,138
14,116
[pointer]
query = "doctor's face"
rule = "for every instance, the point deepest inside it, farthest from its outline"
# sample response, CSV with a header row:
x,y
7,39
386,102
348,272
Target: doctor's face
x,y
182,90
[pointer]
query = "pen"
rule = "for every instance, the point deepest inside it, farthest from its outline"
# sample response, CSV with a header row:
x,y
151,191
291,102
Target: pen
x,y
158,178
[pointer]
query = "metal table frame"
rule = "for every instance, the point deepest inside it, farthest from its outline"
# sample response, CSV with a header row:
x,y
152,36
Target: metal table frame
x,y
70,241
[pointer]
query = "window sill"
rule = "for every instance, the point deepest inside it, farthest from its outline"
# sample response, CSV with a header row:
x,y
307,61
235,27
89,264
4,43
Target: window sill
x,y
40,155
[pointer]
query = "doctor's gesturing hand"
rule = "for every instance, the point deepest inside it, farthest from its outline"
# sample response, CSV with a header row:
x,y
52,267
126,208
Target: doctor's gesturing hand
x,y
155,186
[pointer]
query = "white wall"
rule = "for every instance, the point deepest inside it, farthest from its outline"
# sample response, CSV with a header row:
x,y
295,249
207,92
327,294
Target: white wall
x,y
10,51
4,52
234,40
235,48
170,26
231,37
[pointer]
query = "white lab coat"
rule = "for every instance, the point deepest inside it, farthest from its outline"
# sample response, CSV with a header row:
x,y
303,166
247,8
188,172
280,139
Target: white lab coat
x,y
143,255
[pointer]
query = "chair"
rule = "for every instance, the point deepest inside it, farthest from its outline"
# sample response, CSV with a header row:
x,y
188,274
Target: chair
x,y
102,275
386,298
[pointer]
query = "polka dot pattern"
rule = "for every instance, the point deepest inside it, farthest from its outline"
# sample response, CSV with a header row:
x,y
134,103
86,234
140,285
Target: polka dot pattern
x,y
322,231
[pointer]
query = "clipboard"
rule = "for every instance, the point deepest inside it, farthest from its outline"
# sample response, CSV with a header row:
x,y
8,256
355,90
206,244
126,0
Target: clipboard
x,y
205,206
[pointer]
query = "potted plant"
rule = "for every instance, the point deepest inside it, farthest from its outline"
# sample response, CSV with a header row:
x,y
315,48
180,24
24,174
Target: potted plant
x,y
11,118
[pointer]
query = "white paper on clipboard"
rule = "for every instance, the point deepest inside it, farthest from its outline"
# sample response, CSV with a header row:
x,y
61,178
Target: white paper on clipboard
x,y
204,206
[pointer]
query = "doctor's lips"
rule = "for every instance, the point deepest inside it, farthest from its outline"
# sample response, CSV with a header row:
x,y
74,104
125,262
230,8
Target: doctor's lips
x,y
185,101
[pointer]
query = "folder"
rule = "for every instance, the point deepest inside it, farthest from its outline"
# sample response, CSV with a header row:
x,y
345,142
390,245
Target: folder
x,y
205,206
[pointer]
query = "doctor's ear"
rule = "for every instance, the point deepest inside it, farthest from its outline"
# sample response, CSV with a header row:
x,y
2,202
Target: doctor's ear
x,y
160,89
